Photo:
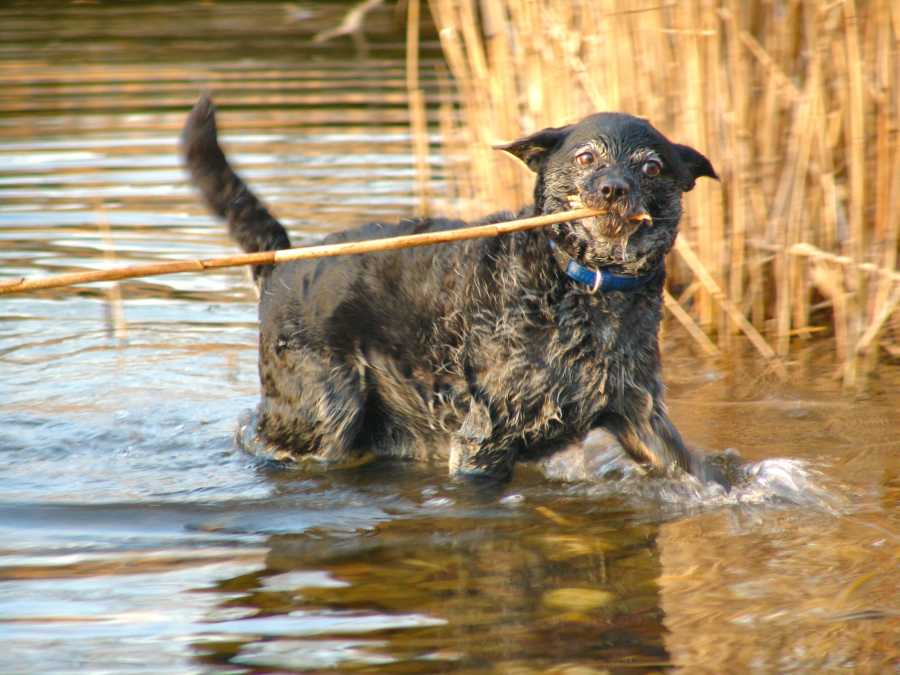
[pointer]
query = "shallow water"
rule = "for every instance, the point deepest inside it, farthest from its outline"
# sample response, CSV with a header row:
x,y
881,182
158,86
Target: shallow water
x,y
137,538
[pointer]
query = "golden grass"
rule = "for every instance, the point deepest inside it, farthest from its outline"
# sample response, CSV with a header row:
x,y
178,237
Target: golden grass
x,y
796,104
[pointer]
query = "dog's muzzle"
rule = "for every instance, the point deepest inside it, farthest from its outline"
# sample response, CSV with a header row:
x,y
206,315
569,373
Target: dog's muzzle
x,y
612,224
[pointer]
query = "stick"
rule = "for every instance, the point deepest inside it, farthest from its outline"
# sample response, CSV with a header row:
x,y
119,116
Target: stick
x,y
116,313
690,325
704,277
418,122
809,251
23,284
878,322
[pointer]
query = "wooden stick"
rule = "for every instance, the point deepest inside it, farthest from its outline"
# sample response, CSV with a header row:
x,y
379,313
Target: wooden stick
x,y
115,311
23,284
418,122
809,251
690,325
878,322
705,278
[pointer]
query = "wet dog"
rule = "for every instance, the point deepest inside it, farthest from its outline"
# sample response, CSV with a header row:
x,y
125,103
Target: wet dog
x,y
485,352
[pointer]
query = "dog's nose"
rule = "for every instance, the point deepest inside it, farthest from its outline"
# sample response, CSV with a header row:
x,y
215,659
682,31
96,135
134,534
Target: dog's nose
x,y
613,188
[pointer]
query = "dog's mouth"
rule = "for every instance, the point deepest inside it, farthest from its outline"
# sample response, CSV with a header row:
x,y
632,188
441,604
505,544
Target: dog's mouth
x,y
613,223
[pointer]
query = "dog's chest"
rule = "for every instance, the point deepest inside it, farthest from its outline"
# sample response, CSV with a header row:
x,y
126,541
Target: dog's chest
x,y
553,368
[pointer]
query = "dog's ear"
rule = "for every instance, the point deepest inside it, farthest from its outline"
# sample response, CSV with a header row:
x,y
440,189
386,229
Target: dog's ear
x,y
695,165
534,148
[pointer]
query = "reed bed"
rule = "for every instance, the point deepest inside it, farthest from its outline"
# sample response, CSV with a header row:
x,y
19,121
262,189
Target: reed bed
x,y
796,104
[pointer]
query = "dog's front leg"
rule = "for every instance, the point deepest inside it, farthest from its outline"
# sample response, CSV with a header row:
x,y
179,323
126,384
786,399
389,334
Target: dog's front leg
x,y
655,441
470,456
467,441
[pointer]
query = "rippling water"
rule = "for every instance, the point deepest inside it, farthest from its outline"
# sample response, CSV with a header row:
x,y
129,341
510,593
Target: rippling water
x,y
136,538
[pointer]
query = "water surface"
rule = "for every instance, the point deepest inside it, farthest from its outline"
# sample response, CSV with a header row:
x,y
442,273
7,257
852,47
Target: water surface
x,y
137,538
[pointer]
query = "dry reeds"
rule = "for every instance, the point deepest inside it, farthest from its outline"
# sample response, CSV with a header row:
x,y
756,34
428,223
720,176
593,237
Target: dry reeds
x,y
796,103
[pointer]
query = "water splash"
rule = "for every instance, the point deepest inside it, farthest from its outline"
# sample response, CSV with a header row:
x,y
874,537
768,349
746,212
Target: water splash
x,y
769,482
606,470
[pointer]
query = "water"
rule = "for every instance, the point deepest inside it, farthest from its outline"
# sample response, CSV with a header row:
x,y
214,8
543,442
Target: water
x,y
137,538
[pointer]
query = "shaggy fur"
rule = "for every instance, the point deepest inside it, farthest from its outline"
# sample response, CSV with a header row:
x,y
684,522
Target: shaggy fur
x,y
483,352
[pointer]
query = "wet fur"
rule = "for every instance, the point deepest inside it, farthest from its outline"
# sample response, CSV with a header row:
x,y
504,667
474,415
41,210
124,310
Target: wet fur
x,y
481,353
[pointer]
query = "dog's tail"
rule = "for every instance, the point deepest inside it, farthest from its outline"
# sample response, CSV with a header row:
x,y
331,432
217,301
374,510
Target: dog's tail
x,y
249,222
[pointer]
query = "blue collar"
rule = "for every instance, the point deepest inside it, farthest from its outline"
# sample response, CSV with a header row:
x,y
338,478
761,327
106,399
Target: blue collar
x,y
600,279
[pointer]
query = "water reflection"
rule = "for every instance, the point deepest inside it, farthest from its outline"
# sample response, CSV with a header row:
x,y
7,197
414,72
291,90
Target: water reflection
x,y
771,594
456,583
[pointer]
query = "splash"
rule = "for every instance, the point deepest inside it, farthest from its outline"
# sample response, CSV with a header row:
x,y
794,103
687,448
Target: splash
x,y
769,482
606,470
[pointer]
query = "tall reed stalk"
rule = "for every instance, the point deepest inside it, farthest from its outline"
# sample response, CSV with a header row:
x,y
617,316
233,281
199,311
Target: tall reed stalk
x,y
797,105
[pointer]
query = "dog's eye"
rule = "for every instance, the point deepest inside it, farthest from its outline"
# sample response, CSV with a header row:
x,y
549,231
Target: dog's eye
x,y
651,168
585,158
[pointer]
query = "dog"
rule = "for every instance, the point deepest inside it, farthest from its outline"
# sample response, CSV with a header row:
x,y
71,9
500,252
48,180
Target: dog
x,y
480,353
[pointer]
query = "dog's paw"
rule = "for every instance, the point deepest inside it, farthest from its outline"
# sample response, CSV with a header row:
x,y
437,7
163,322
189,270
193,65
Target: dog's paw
x,y
725,468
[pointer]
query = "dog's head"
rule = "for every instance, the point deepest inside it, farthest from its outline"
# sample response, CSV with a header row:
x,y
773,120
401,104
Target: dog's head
x,y
622,166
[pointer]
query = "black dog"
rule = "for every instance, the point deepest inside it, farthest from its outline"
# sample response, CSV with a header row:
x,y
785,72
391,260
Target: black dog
x,y
481,352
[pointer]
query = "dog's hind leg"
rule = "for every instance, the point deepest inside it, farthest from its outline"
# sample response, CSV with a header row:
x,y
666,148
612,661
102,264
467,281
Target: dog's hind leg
x,y
312,406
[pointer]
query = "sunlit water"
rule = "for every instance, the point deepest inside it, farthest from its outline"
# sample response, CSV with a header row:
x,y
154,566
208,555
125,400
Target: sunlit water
x,y
137,538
